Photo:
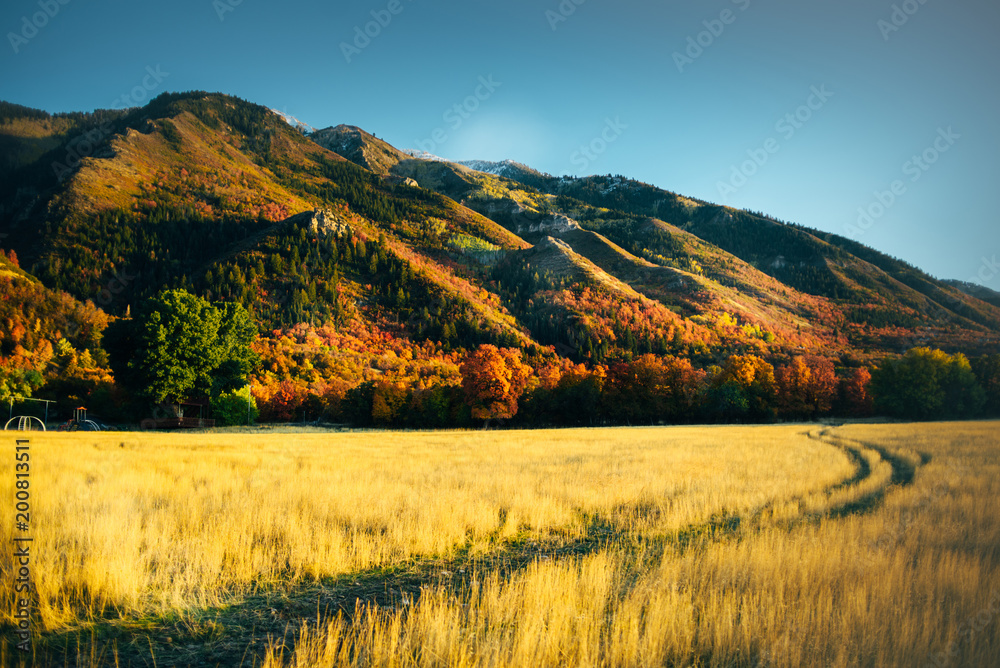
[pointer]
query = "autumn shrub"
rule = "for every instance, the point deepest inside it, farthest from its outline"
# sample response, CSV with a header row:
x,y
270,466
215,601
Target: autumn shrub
x,y
230,408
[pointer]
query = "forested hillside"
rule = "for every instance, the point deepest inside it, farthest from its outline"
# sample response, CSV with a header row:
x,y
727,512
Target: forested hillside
x,y
391,290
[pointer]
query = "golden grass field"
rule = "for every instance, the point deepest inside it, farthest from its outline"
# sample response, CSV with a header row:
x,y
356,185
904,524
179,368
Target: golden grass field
x,y
860,545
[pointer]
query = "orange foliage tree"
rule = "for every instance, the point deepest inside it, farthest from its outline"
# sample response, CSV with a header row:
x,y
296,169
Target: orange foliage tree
x,y
388,402
744,387
493,379
807,386
652,388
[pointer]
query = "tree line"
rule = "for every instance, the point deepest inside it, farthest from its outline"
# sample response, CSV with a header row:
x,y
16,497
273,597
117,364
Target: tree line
x,y
511,387
181,347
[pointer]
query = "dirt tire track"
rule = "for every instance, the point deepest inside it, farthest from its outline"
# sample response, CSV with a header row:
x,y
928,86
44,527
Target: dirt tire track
x,y
274,619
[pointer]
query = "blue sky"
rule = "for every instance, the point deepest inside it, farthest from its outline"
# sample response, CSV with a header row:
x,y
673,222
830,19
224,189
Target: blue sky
x,y
808,111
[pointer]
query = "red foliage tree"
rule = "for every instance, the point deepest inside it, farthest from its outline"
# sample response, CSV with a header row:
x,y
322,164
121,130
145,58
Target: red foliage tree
x,y
855,394
652,388
279,402
806,387
493,379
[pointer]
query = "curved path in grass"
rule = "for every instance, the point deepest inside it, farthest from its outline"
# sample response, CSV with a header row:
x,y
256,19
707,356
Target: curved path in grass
x,y
875,471
239,633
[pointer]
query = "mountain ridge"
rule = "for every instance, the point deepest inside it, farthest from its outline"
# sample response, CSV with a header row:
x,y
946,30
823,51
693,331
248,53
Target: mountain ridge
x,y
337,234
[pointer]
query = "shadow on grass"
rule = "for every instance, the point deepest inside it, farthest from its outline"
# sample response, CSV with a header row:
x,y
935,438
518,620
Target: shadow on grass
x,y
240,634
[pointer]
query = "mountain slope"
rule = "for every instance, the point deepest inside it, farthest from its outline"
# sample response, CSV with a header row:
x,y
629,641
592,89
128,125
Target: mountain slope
x,y
340,229
980,292
46,335
878,297
508,169
203,192
359,147
677,280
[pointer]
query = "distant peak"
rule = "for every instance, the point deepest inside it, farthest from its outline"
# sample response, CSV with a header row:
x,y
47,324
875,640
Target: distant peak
x,y
343,128
360,147
506,168
294,122
423,155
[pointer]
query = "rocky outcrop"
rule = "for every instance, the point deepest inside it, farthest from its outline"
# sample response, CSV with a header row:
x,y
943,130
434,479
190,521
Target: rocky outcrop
x,y
553,243
555,223
322,223
394,180
723,218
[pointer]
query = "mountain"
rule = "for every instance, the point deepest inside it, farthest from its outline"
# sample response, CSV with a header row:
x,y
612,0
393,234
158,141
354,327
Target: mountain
x,y
507,169
877,297
302,127
980,292
359,147
363,263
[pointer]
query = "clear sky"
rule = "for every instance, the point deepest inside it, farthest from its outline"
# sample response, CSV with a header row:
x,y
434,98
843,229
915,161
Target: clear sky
x,y
692,97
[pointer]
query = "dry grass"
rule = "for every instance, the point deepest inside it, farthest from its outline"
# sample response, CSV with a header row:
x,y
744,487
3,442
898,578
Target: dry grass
x,y
154,523
916,582
682,546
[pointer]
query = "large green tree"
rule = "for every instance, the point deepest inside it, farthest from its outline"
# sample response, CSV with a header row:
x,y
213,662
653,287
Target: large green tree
x,y
927,384
181,346
987,370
